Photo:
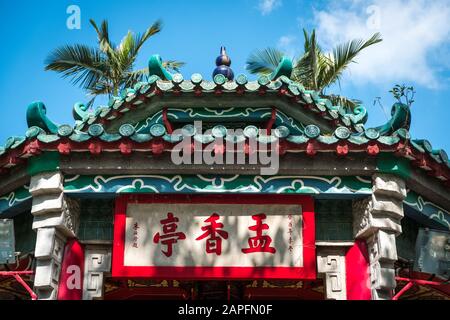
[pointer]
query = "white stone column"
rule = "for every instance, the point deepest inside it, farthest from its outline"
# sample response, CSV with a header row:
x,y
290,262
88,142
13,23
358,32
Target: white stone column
x,y
377,220
55,220
97,265
331,267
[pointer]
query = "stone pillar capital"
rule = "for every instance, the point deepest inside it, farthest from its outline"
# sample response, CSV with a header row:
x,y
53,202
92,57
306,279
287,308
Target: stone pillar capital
x,y
55,220
377,220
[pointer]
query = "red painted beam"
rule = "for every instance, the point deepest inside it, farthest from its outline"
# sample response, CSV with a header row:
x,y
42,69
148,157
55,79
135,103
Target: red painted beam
x,y
166,121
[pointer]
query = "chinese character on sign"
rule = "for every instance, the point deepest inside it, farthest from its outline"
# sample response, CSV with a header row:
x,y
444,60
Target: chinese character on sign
x,y
214,242
169,236
259,243
135,235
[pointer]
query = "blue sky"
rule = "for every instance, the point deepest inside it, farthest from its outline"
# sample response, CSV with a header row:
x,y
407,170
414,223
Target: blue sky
x,y
415,51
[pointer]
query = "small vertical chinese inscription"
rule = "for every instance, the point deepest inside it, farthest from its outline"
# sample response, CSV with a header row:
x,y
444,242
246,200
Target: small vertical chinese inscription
x,y
135,235
169,237
290,225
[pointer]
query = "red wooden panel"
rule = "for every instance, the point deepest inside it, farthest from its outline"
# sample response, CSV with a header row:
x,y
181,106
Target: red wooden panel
x,y
358,272
72,271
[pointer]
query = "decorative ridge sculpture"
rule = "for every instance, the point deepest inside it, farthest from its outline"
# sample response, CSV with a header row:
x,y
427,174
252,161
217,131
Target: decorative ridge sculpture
x,y
80,111
36,117
284,68
155,67
401,119
223,63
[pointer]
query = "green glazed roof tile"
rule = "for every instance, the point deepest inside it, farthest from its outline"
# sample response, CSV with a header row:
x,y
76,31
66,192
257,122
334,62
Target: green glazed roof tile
x,y
141,137
153,78
219,79
275,85
327,139
241,79
204,138
172,138
297,139
110,137
48,138
417,147
145,88
208,85
252,86
294,90
164,85
342,133
235,138
187,86
157,130
263,80
33,132
118,103
230,85
372,134
80,137
177,78
65,130
266,139
357,140
425,144
127,130
388,140
196,78
18,141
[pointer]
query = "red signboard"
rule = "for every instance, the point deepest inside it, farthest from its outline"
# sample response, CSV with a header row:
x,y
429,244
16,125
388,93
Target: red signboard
x,y
214,237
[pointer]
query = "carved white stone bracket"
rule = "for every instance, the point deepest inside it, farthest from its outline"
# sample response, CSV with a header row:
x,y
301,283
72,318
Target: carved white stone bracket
x,y
55,220
331,264
378,221
97,265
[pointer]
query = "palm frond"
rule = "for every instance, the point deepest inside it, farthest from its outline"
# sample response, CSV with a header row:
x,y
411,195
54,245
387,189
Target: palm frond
x,y
345,54
140,39
135,76
347,103
310,40
172,65
309,68
264,61
123,56
100,88
103,35
108,69
82,64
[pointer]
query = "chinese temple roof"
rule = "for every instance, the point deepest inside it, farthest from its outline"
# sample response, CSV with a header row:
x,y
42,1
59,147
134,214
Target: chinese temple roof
x,y
234,93
142,120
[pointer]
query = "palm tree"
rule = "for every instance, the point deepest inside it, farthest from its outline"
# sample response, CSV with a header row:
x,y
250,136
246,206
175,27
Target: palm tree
x,y
315,69
108,69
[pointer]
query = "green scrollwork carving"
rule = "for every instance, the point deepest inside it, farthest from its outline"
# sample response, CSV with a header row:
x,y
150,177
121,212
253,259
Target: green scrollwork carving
x,y
36,116
155,67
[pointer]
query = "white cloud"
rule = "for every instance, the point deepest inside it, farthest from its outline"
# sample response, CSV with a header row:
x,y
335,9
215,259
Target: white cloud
x,y
414,32
289,45
267,6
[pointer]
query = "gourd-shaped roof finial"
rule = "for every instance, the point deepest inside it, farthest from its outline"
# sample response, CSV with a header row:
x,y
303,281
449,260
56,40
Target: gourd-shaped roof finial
x,y
223,63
